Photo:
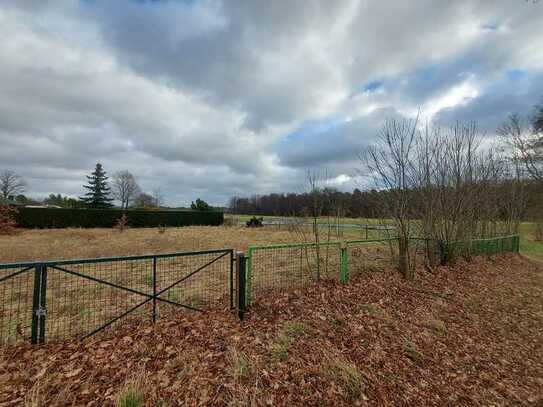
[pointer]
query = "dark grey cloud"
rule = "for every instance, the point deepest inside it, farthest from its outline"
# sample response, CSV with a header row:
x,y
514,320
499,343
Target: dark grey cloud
x,y
513,93
213,98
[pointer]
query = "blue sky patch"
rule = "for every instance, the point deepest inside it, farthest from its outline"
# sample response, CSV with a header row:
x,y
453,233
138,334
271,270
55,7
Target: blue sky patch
x,y
515,74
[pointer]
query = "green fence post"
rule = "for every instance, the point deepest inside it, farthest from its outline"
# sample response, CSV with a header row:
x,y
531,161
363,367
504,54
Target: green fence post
x,y
36,305
43,304
249,275
443,252
241,264
343,264
154,290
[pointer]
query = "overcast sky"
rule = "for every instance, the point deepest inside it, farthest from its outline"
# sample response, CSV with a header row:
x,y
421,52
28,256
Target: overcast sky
x,y
218,98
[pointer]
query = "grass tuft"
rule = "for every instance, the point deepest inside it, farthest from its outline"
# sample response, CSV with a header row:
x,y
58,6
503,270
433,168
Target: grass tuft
x,y
280,348
294,329
371,309
133,393
344,374
239,367
438,327
412,352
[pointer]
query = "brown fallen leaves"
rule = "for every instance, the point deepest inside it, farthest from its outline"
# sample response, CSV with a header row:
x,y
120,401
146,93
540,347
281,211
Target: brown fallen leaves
x,y
465,335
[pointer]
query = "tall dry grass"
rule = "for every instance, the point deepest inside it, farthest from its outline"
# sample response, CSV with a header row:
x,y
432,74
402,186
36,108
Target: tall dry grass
x,y
53,244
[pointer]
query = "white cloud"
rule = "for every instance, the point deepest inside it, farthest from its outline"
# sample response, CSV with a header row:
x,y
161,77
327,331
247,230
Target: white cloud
x,y
200,98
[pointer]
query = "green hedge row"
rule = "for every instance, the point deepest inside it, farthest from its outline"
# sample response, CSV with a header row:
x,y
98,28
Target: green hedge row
x,y
107,218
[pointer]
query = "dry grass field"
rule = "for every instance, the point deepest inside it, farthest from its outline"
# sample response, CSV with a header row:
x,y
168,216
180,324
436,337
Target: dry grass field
x,y
56,244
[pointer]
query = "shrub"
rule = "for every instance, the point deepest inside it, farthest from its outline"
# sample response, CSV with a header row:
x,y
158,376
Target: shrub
x,y
122,223
8,223
255,222
107,218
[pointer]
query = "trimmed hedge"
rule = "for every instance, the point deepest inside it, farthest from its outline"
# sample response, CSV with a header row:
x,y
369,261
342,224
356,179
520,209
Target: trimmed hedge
x,y
107,218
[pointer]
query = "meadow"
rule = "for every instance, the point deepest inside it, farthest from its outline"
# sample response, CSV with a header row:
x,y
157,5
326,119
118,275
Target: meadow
x,y
57,244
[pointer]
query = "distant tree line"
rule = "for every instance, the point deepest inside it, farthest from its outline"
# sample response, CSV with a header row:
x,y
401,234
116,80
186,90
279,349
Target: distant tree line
x,y
358,203
100,193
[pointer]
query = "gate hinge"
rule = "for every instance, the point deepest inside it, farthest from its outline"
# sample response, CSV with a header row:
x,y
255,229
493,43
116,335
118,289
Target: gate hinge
x,y
41,312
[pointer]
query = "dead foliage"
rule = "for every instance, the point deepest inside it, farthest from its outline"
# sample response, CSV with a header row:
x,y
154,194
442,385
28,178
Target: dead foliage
x,y
464,335
8,225
122,223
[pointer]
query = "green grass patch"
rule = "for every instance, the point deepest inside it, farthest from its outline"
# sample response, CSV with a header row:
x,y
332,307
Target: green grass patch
x,y
133,392
281,347
528,244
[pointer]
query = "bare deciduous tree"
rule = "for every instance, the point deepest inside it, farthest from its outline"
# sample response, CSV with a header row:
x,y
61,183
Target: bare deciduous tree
x,y
526,143
389,163
11,183
443,186
158,197
125,188
144,200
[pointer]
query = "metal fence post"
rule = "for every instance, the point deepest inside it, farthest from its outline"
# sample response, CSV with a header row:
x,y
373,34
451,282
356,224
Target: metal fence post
x,y
154,290
43,303
241,262
36,305
249,275
231,279
343,264
443,252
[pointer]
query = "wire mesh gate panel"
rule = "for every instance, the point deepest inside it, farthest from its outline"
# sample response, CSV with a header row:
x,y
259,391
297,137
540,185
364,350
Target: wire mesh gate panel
x,y
371,255
77,298
290,266
17,301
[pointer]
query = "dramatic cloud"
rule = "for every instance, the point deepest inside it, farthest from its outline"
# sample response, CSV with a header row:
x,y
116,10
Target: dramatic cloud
x,y
215,98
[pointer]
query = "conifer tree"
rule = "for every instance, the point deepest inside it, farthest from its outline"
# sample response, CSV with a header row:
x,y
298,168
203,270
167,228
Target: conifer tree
x,y
98,190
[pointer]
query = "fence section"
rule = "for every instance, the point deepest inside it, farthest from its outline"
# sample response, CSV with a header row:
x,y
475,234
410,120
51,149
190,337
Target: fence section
x,y
478,247
77,298
290,265
371,255
297,265
18,299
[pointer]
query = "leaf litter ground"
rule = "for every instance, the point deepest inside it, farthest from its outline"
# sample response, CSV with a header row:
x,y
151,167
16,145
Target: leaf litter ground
x,y
470,334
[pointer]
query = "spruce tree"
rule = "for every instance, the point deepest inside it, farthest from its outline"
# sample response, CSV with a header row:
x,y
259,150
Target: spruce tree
x,y
98,190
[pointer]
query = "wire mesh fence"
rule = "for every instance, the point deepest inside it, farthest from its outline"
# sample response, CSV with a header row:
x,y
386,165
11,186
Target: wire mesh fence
x,y
371,255
477,247
290,265
77,298
16,294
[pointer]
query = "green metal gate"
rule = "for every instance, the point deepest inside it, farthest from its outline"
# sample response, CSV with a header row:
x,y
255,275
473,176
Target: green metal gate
x,y
78,298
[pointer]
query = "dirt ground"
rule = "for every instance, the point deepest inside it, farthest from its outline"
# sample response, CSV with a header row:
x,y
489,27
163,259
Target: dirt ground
x,y
465,335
